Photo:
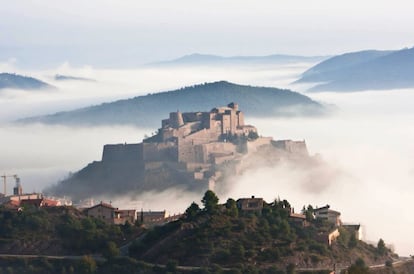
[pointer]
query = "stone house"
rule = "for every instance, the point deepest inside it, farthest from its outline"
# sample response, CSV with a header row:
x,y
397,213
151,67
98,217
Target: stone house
x,y
124,215
111,215
328,237
151,218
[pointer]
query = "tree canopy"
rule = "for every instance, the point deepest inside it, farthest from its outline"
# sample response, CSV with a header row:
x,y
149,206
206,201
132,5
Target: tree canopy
x,y
210,201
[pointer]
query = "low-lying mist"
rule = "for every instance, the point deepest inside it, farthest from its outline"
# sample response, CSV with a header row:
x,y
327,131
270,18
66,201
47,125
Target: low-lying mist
x,y
43,154
367,144
110,85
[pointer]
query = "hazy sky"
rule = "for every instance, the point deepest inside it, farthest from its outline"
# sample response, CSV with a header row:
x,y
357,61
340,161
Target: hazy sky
x,y
126,33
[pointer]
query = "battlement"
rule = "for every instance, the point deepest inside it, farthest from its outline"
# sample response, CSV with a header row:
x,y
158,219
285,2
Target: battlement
x,y
122,153
295,147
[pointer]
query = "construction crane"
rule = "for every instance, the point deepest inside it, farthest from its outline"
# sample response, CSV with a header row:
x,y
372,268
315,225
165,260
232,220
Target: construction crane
x,y
5,181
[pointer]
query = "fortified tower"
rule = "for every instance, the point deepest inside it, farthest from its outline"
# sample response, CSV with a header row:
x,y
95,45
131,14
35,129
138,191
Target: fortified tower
x,y
176,119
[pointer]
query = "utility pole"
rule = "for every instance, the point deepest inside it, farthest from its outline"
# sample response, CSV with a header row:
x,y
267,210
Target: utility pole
x,y
5,181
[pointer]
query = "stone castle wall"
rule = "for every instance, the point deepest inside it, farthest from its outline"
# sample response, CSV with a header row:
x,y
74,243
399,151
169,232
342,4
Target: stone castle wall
x,y
122,153
189,152
252,146
153,152
294,147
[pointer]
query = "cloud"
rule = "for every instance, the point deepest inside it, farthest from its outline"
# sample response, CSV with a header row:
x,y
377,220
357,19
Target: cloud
x,y
8,65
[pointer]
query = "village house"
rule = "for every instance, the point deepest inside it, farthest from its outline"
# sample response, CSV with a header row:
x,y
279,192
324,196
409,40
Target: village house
x,y
329,237
332,236
297,218
151,218
19,199
121,216
325,213
110,214
355,229
42,202
250,204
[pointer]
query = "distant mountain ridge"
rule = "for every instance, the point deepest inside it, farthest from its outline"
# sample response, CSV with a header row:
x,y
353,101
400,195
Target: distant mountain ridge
x,y
209,59
148,110
60,77
365,70
15,81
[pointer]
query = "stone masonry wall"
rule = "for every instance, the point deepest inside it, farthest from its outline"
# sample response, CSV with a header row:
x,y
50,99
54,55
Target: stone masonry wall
x,y
122,153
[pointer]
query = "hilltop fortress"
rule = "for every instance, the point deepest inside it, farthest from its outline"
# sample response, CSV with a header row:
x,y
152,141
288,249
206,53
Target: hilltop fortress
x,y
195,149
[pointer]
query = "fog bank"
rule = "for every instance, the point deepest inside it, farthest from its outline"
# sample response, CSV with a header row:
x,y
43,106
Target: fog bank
x,y
369,143
110,85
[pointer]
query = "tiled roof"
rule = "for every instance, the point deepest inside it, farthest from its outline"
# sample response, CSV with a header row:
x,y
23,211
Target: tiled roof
x,y
297,215
102,205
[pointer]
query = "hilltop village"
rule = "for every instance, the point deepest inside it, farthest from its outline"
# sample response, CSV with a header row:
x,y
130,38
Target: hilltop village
x,y
111,215
193,150
243,234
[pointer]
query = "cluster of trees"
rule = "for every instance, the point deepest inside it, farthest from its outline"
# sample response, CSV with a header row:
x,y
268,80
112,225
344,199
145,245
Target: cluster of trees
x,y
43,265
88,235
70,231
16,224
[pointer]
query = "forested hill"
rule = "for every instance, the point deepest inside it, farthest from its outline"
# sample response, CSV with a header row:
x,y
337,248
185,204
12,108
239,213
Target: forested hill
x,y
15,81
330,68
150,109
268,240
217,238
365,70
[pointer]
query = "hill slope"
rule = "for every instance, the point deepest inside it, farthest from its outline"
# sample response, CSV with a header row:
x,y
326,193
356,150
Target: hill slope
x,y
60,77
331,68
266,238
54,231
375,70
15,81
207,59
148,110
